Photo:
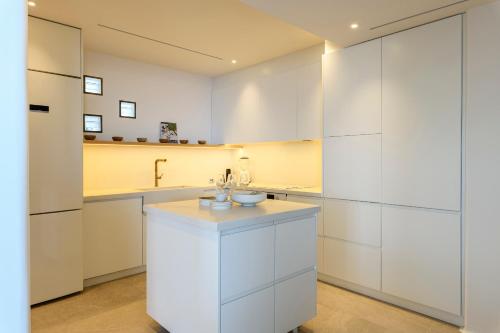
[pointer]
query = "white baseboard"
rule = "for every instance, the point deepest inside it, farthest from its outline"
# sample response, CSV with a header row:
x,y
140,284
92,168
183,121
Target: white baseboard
x,y
113,276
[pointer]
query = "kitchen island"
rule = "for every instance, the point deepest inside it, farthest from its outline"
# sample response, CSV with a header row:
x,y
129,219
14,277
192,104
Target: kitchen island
x,y
246,269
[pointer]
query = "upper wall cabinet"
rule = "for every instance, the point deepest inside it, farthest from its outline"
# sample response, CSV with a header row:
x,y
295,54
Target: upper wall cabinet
x,y
421,115
281,106
309,102
352,90
53,47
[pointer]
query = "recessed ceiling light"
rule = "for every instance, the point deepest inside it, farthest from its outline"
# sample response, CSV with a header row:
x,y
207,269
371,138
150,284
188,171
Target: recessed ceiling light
x,y
233,61
32,3
354,26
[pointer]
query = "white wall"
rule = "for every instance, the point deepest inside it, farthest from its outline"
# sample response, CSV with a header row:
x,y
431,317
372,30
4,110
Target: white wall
x,y
482,180
14,290
161,94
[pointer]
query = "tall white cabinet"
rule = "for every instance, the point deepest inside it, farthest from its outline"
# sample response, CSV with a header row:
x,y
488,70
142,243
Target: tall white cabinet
x,y
55,159
392,168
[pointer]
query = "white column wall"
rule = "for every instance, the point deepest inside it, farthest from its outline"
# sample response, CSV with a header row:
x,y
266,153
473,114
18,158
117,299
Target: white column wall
x,y
14,291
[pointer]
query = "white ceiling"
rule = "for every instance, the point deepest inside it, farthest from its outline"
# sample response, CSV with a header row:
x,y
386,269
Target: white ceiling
x,y
227,29
331,19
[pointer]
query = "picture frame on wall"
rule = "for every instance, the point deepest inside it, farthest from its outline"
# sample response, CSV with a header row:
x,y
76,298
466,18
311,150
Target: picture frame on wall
x,y
168,131
92,123
127,109
92,85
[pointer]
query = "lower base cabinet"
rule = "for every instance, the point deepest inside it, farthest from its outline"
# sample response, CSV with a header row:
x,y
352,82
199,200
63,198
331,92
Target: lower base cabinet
x,y
295,302
239,315
422,256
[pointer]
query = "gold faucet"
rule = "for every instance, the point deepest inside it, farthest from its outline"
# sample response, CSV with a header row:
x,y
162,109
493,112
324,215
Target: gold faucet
x,y
157,178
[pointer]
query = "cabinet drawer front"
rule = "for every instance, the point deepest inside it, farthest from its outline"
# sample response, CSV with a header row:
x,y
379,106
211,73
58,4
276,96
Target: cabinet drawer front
x,y
352,167
249,314
295,301
319,251
295,246
359,264
353,221
247,261
422,261
312,201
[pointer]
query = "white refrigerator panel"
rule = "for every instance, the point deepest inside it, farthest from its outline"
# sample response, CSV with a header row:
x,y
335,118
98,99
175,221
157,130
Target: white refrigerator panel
x,y
55,149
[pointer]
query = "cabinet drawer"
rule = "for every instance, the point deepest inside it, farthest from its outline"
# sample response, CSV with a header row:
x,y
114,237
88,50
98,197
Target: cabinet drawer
x,y
359,264
312,201
319,250
352,167
295,246
252,313
53,47
353,221
422,259
295,302
247,261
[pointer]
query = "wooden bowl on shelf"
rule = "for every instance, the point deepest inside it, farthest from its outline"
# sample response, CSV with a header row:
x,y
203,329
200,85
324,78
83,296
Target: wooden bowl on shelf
x,y
89,137
142,139
164,140
202,142
183,141
117,138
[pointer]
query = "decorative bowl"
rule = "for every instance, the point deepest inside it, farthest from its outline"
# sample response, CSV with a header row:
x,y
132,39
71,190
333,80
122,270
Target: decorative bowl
x,y
142,139
184,141
89,137
248,198
202,142
117,138
164,140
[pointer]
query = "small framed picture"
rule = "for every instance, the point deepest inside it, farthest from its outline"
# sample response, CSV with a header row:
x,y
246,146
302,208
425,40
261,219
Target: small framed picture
x,y
92,85
127,109
92,123
169,131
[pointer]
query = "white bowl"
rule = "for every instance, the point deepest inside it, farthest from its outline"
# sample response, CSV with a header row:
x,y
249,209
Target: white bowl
x,y
248,198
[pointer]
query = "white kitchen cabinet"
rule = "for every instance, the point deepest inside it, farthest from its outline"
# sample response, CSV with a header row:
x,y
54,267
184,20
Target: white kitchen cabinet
x,y
112,236
254,313
295,302
355,263
421,115
247,262
320,266
312,201
422,257
55,255
352,90
351,167
55,151
353,221
309,102
294,252
53,47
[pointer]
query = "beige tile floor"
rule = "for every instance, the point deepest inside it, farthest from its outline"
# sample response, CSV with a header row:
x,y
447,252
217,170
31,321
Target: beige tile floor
x,y
120,307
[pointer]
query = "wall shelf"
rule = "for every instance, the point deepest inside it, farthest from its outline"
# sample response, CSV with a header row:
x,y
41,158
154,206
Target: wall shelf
x,y
159,144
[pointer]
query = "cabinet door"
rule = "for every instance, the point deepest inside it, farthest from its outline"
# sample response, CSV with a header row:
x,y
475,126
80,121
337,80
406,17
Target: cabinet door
x,y
352,168
421,256
352,90
309,102
312,201
295,246
247,261
53,47
55,255
421,141
353,221
249,314
112,236
295,302
55,149
277,108
355,263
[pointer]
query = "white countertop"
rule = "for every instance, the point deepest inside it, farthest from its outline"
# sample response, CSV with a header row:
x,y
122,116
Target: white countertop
x,y
191,212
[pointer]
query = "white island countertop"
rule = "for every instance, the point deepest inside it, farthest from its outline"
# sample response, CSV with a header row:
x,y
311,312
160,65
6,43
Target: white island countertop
x,y
191,212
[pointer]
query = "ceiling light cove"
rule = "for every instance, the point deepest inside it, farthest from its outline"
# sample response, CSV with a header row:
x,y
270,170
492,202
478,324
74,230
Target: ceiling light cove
x,y
233,61
354,26
32,3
